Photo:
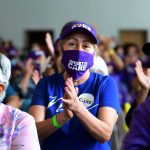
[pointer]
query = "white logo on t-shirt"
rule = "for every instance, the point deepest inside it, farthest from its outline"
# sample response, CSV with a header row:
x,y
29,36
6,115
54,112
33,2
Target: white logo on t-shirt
x,y
86,99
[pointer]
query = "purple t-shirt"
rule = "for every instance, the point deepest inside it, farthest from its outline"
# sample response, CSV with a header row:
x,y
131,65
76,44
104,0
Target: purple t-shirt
x,y
138,136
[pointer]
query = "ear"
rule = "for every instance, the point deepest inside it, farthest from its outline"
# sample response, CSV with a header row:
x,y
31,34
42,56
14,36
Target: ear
x,y
2,88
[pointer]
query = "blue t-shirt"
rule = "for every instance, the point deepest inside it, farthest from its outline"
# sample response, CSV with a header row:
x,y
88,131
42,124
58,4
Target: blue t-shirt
x,y
96,92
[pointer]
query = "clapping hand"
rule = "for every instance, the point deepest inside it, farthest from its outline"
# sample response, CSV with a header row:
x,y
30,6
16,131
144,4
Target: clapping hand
x,y
71,99
143,78
69,114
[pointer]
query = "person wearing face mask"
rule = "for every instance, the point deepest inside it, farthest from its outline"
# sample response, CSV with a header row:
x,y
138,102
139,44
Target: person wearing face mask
x,y
76,109
17,128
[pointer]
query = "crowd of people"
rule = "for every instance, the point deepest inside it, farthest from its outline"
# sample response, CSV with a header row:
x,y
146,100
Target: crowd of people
x,y
75,90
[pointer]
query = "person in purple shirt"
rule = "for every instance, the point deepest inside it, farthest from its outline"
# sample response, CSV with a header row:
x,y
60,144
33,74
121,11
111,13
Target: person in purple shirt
x,y
138,137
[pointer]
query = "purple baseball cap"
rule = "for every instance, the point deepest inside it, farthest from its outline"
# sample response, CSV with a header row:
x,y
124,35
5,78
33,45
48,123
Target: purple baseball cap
x,y
35,54
74,26
11,53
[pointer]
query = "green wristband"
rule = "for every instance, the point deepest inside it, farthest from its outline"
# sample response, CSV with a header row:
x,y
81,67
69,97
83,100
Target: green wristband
x,y
55,123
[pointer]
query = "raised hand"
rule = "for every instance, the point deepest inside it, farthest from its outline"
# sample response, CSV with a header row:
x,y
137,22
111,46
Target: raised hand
x,y
49,43
36,76
143,78
29,66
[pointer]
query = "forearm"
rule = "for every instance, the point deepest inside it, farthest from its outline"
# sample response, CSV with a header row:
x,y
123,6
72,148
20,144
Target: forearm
x,y
116,59
46,128
140,98
101,126
50,44
100,130
51,50
142,95
24,83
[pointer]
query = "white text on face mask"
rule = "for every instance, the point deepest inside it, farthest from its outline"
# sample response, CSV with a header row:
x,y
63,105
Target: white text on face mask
x,y
78,66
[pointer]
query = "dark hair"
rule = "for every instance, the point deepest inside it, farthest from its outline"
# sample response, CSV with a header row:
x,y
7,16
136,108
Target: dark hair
x,y
127,46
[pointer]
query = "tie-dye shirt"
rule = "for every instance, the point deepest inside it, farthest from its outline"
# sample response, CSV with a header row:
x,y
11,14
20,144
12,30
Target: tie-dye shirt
x,y
17,130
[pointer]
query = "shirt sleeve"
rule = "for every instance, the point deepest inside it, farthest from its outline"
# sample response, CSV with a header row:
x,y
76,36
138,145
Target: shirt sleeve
x,y
27,139
39,95
109,94
139,129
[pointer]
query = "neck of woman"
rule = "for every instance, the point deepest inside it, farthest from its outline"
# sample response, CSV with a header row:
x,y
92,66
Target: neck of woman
x,y
79,81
